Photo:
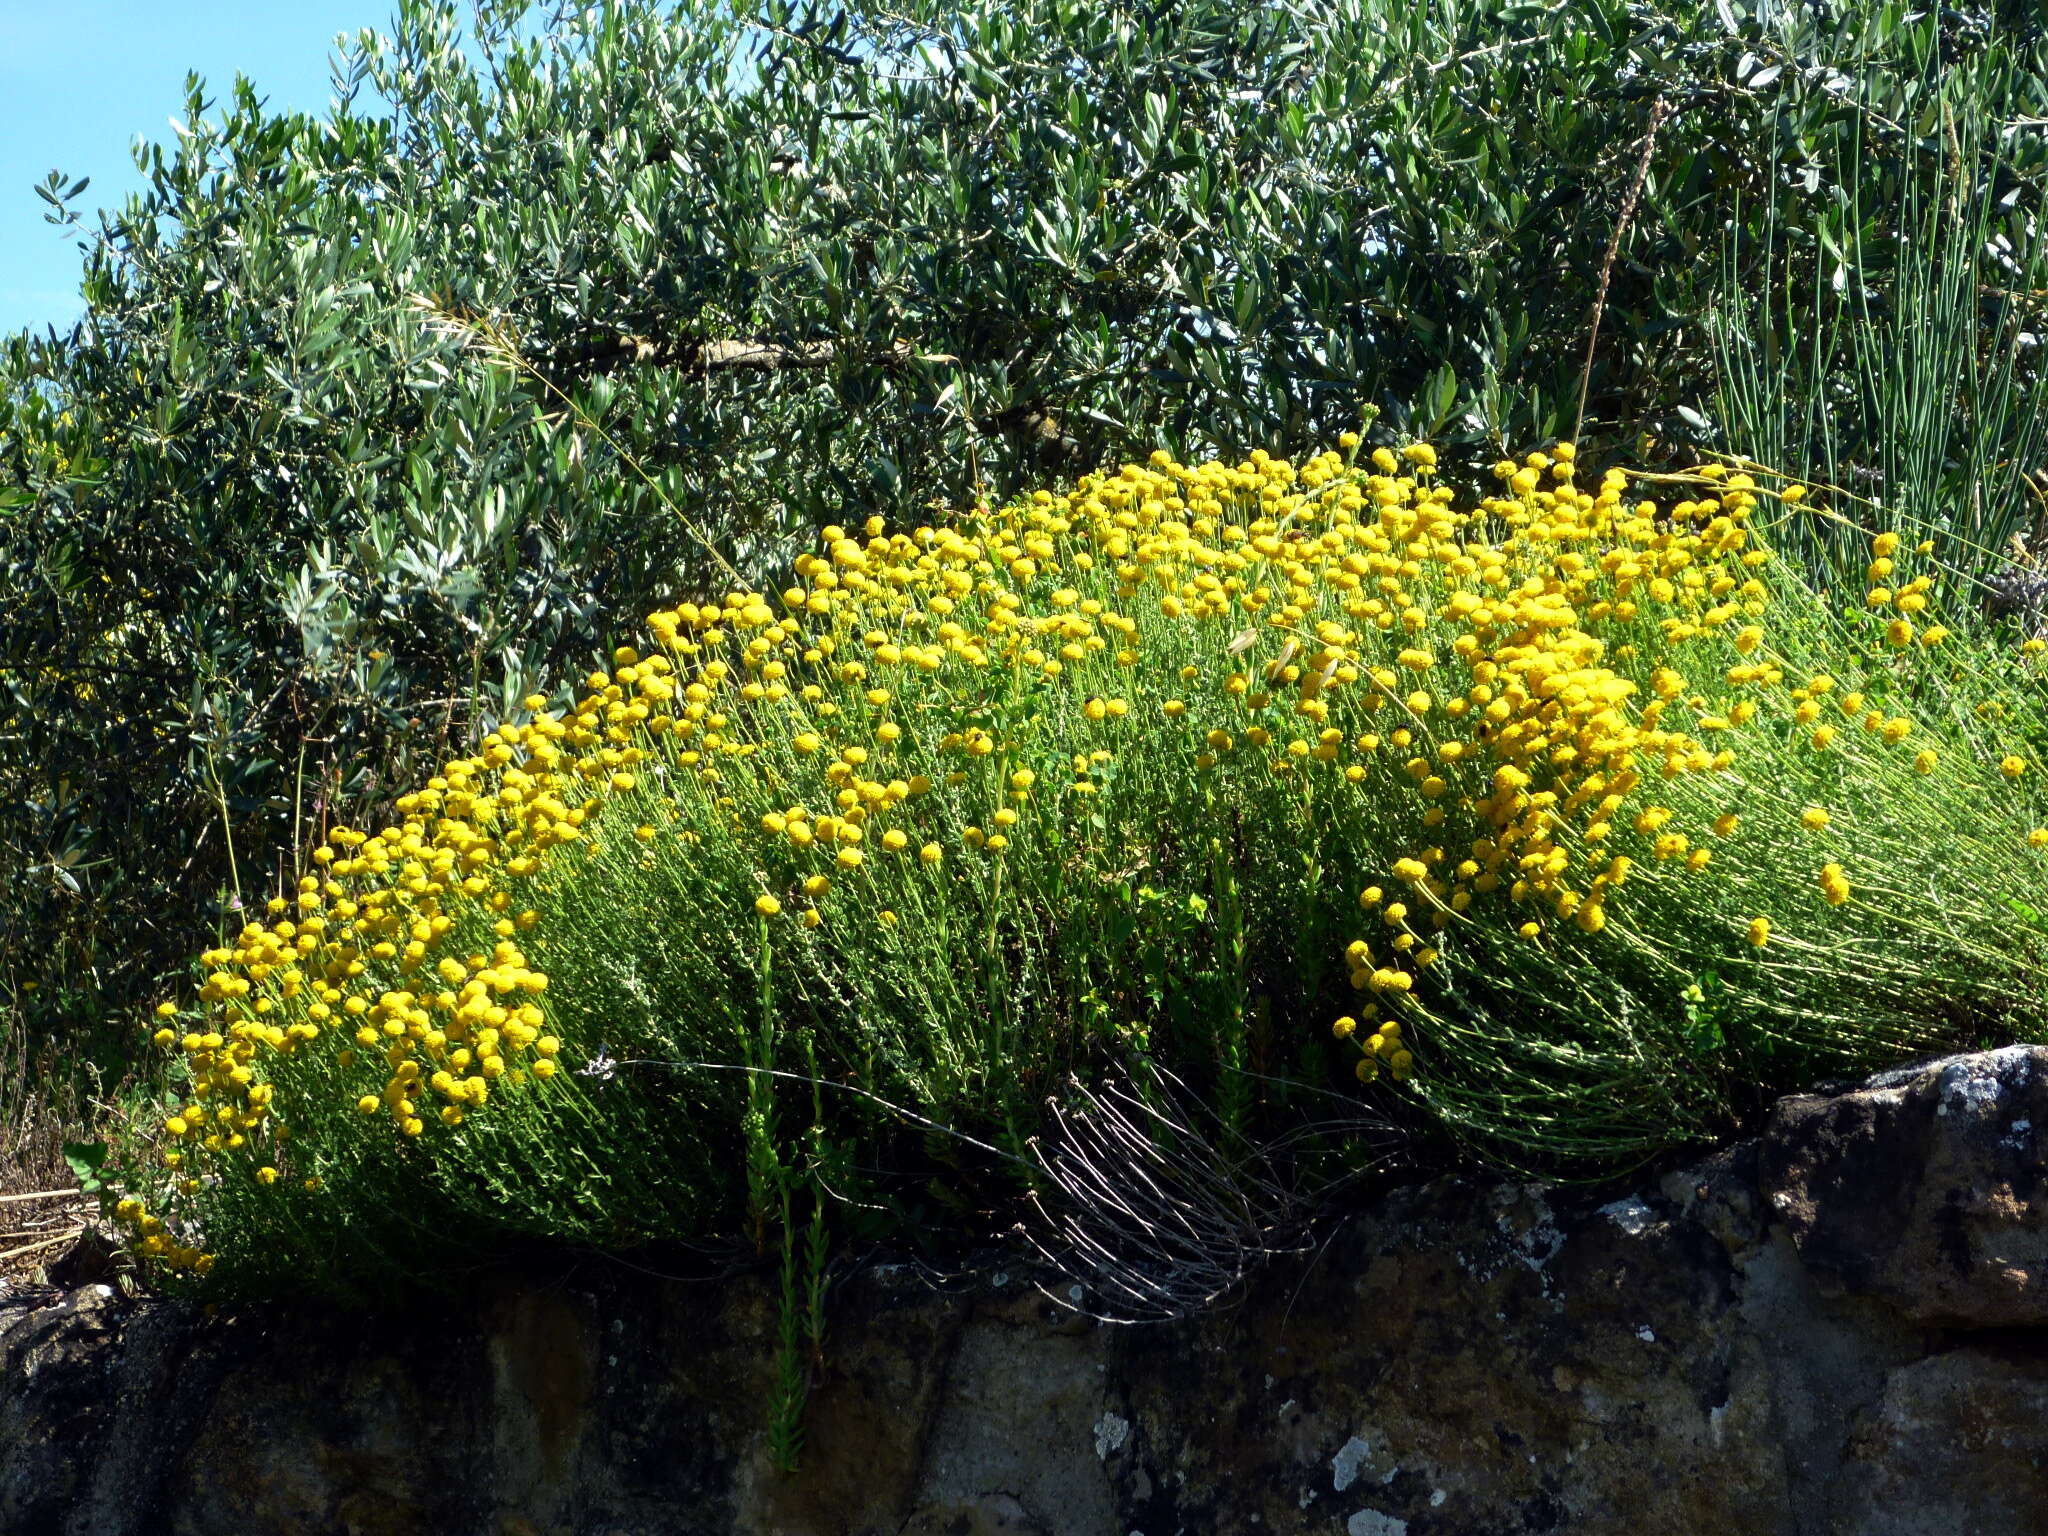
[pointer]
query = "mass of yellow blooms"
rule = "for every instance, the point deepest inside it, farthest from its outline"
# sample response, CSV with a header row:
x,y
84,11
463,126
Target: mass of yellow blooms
x,y
1510,684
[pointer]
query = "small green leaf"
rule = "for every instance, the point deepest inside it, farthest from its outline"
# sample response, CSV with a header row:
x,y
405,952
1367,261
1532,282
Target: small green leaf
x,y
86,1159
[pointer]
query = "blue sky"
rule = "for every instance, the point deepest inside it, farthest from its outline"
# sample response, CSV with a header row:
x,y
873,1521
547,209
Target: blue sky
x,y
79,81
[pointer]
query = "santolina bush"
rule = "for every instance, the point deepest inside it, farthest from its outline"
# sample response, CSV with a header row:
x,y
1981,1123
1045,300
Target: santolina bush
x,y
1558,820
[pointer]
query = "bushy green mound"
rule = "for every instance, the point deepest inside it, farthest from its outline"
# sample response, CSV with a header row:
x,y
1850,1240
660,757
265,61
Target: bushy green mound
x,y
1557,821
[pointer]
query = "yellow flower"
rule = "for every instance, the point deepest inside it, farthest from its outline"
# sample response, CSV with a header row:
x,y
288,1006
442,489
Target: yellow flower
x,y
2012,767
1924,760
1834,884
1571,642
1759,931
2038,838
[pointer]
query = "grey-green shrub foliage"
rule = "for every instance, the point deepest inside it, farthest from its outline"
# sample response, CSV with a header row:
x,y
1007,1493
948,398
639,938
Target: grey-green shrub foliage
x,y
270,540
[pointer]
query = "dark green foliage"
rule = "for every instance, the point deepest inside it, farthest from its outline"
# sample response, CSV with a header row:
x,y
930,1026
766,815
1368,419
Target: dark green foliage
x,y
273,539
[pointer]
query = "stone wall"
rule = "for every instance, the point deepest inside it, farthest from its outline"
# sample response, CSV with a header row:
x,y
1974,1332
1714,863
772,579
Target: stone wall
x,y
1839,1327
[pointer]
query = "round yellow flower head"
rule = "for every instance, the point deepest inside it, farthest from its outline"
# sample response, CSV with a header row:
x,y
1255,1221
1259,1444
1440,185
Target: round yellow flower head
x,y
1760,931
1834,884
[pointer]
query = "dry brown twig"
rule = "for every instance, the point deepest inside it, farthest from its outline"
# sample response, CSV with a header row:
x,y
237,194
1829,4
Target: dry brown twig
x,y
1658,112
48,1242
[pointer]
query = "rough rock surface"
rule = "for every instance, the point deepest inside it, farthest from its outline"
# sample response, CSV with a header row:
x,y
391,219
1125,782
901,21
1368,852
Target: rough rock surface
x,y
1841,1327
1918,1188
